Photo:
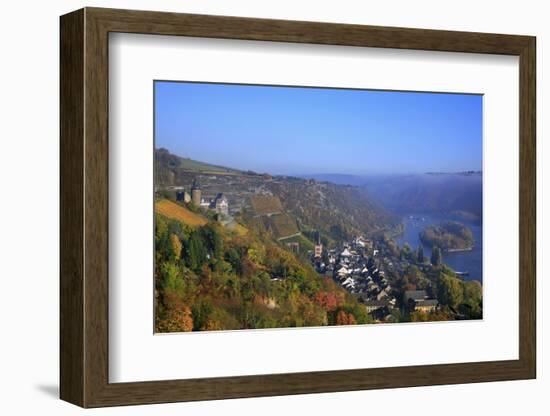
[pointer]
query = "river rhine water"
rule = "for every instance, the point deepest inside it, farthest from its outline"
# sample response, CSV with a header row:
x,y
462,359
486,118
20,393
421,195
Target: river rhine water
x,y
460,261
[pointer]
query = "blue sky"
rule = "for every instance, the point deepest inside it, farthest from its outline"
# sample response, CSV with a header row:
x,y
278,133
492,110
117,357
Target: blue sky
x,y
292,130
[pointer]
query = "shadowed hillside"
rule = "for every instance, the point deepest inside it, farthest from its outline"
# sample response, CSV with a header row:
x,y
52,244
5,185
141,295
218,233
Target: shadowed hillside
x,y
455,193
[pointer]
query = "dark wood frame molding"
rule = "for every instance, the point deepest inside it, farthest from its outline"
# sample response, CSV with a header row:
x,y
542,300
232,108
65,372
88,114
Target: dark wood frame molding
x,y
84,208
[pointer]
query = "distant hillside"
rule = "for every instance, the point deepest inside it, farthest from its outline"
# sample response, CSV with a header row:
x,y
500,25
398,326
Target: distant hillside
x,y
265,205
169,167
337,211
430,193
267,212
337,178
457,193
282,226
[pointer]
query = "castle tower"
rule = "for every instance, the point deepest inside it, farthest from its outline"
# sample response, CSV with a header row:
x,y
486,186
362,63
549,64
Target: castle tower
x,y
196,193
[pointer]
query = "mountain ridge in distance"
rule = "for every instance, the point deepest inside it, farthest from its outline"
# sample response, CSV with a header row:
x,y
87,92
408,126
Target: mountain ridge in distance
x,y
430,192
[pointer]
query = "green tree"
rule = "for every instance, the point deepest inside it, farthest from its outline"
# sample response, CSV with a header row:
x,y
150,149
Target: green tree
x,y
201,312
413,275
172,280
161,227
162,241
472,301
233,257
196,253
420,254
436,258
450,291
256,253
212,240
406,252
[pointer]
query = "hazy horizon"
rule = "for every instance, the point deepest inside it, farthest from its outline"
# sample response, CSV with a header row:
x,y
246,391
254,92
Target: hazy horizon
x,y
313,174
319,131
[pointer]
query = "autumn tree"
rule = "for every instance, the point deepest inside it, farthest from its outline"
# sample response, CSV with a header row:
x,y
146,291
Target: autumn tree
x,y
175,246
345,318
328,300
176,316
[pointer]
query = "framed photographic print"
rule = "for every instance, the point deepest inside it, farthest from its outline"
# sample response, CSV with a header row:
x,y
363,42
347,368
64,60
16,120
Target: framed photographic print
x,y
256,207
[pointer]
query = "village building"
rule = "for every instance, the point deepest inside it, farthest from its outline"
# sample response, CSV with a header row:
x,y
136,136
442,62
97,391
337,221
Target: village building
x,y
418,300
385,293
343,271
426,305
294,247
220,204
349,283
345,253
183,196
414,295
373,305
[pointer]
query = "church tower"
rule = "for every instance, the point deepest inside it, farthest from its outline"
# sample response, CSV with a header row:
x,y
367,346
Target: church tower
x,y
318,245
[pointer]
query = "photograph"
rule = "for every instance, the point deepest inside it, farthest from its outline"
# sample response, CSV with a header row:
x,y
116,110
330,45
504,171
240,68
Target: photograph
x,y
297,206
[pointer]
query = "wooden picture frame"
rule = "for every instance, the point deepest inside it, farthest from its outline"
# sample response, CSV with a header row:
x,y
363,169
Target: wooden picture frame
x,y
84,207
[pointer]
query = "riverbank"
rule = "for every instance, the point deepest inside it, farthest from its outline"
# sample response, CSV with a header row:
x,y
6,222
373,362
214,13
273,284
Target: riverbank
x,y
457,250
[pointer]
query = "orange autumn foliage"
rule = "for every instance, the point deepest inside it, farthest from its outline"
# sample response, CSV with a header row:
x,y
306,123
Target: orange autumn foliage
x,y
328,300
177,317
344,318
177,212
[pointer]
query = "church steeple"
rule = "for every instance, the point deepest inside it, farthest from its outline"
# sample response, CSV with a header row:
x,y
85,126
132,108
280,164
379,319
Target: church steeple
x,y
318,245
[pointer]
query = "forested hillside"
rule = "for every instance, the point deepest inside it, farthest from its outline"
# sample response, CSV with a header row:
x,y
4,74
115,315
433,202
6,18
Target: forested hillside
x,y
211,278
338,211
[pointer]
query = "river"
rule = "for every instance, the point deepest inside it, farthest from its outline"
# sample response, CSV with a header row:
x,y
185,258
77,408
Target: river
x,y
460,261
